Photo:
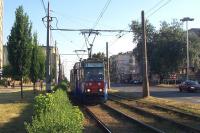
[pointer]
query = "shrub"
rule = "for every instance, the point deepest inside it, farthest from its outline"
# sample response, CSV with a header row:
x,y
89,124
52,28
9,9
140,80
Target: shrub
x,y
55,114
43,103
64,85
4,82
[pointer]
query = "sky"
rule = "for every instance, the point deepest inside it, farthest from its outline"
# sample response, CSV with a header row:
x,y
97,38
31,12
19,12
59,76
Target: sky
x,y
83,14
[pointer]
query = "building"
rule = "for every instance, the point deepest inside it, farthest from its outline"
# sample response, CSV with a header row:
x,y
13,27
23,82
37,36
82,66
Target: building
x,y
1,34
54,61
195,31
124,68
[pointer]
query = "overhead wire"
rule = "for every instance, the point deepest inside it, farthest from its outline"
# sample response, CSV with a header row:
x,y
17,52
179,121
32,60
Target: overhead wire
x,y
155,6
64,36
159,8
45,9
94,31
102,13
148,11
67,19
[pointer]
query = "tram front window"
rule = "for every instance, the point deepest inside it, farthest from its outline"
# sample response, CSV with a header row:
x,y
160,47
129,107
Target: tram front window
x,y
94,74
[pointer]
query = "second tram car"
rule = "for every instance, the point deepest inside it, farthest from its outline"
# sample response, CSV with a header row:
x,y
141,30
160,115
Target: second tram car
x,y
88,82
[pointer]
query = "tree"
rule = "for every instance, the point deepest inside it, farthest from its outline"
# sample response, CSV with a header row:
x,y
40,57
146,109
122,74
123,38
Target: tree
x,y
99,55
137,38
34,69
165,47
7,71
168,52
194,51
41,59
19,46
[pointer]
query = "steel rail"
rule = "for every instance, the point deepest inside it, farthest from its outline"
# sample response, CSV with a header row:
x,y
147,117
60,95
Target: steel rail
x,y
100,123
150,128
193,116
144,112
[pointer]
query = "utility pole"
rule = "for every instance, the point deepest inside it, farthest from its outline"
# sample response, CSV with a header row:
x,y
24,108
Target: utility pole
x,y
59,73
188,63
56,75
63,71
108,68
48,80
144,51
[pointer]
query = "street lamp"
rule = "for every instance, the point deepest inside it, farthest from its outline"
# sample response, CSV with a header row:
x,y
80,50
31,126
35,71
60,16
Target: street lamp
x,y
183,20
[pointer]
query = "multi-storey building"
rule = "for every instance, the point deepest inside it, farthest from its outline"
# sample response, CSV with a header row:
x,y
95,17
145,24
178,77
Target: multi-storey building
x,y
124,68
195,31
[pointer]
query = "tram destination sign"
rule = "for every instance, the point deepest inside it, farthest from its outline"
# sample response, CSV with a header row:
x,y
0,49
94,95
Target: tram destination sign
x,y
93,64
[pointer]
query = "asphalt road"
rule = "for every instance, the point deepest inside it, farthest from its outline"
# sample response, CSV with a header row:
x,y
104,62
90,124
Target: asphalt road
x,y
161,92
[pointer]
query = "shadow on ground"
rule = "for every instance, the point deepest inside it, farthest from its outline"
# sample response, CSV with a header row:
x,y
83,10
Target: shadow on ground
x,y
134,92
16,125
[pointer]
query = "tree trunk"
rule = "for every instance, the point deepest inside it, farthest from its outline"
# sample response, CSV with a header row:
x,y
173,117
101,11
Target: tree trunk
x,y
22,96
41,85
13,84
34,88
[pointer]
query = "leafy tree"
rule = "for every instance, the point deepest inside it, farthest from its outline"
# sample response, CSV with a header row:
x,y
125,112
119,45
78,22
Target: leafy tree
x,y
53,71
168,53
7,71
137,38
19,46
41,59
194,51
165,47
99,55
35,66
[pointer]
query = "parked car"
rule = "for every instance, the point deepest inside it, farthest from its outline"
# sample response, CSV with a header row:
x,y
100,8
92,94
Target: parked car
x,y
135,82
189,85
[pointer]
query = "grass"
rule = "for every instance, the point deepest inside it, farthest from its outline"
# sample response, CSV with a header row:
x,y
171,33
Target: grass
x,y
168,85
193,108
14,111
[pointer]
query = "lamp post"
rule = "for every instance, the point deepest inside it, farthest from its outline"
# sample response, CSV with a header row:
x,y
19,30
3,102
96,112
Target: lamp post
x,y
186,19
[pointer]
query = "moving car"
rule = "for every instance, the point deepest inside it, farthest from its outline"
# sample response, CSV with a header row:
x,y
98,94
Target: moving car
x,y
189,85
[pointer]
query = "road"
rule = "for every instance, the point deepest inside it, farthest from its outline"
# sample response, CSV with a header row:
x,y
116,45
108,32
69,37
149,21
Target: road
x,y
161,92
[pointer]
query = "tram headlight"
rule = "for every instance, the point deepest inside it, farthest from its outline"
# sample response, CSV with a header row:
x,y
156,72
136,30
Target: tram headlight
x,y
88,90
100,90
192,87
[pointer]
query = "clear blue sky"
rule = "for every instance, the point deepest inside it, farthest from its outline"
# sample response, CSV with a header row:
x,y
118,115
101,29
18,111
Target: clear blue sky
x,y
84,13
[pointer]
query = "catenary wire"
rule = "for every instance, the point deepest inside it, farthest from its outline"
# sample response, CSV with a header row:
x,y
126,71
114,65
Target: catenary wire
x,y
102,13
159,8
45,10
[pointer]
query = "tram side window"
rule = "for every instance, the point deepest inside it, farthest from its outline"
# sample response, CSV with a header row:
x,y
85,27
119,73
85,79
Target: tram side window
x,y
78,74
81,74
75,71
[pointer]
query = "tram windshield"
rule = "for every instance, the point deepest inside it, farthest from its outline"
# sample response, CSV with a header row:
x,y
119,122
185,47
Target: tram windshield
x,y
94,73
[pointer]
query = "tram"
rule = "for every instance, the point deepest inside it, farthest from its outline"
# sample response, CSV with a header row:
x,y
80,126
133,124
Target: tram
x,y
88,82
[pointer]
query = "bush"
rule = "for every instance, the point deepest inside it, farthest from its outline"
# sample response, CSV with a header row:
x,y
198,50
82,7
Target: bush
x,y
43,103
55,114
4,82
64,85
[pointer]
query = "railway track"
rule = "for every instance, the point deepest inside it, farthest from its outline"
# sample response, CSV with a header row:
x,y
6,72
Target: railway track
x,y
181,120
114,121
170,109
98,121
